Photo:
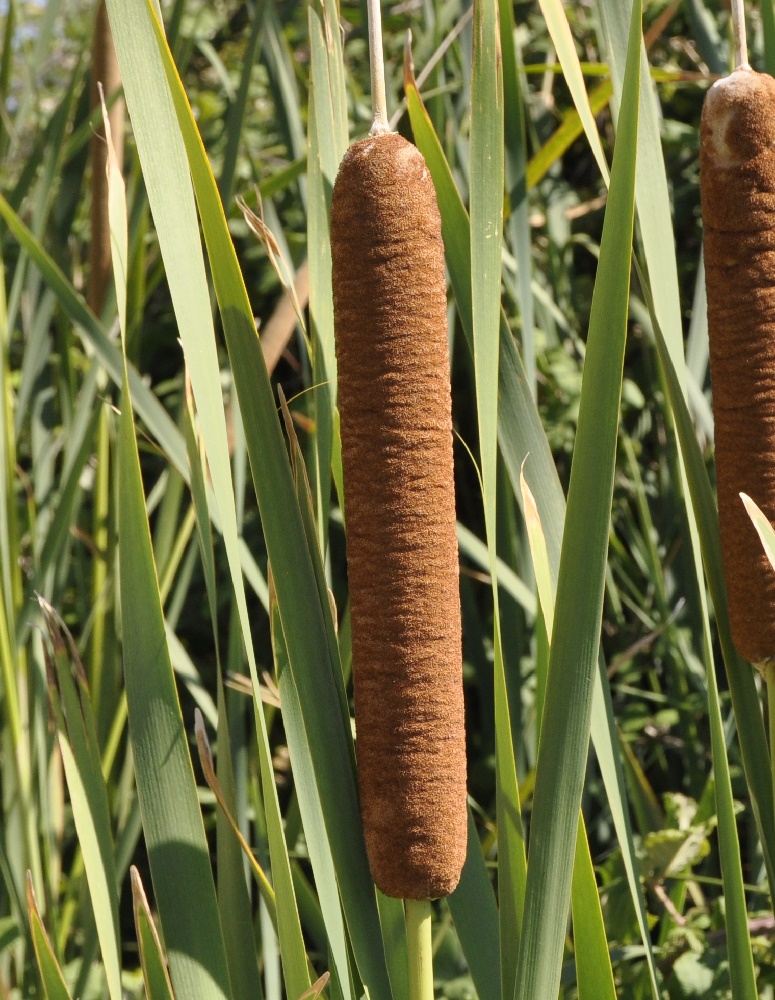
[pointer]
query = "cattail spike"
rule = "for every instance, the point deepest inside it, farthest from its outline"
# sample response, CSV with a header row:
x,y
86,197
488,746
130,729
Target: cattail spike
x,y
737,181
394,395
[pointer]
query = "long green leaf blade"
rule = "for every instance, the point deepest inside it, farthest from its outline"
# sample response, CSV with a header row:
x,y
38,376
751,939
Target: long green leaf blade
x,y
487,180
562,753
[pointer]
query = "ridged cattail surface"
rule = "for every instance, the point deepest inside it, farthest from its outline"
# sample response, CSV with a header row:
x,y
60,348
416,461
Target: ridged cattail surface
x,y
737,181
390,313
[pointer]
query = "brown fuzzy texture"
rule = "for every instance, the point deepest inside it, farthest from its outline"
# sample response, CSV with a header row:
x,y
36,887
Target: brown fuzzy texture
x,y
390,310
737,164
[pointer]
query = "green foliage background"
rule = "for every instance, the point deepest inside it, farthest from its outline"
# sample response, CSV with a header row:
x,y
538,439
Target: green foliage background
x,y
172,542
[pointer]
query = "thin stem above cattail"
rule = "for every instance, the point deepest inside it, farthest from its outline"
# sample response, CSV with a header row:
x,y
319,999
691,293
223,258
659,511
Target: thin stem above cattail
x,y
377,69
738,32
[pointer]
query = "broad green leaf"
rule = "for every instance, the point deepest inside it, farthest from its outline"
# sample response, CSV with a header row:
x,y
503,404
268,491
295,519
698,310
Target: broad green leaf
x,y
594,975
562,755
324,154
486,179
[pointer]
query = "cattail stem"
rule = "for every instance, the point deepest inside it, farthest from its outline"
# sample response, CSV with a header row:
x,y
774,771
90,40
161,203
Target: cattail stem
x,y
738,31
420,940
377,66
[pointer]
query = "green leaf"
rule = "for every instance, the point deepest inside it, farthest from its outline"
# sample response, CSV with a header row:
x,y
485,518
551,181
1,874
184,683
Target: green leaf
x,y
172,822
486,235
594,974
563,748
174,834
323,158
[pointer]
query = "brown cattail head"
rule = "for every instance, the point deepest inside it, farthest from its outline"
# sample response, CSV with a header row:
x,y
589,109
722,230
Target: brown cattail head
x,y
737,183
390,309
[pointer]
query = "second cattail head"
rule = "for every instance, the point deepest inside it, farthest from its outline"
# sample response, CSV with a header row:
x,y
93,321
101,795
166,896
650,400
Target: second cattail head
x,y
737,184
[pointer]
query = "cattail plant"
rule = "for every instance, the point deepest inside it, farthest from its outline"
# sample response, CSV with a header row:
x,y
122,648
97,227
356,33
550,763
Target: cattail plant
x,y
737,161
737,186
390,312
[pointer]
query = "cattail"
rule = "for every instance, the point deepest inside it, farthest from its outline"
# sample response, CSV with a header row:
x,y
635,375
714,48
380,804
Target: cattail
x,y
390,312
737,175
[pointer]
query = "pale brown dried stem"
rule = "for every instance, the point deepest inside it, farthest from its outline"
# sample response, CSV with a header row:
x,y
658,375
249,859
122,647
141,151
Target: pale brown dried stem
x,y
105,71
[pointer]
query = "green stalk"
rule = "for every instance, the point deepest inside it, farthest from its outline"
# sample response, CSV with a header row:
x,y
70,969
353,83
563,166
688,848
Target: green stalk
x,y
420,941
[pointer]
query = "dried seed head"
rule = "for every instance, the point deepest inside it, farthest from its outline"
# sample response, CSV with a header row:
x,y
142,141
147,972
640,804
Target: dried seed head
x,y
737,183
394,396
